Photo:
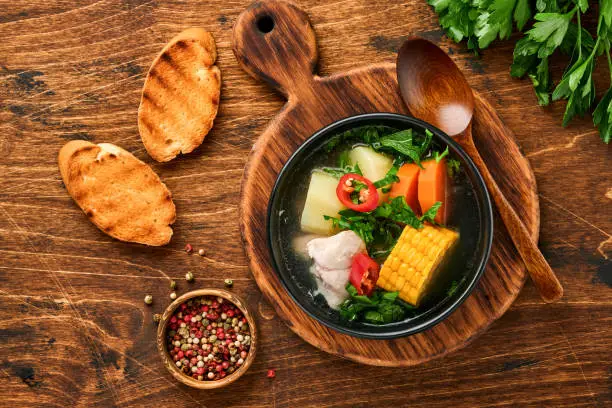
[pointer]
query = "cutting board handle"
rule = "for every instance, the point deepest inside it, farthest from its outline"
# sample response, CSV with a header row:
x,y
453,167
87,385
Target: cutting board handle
x,y
274,42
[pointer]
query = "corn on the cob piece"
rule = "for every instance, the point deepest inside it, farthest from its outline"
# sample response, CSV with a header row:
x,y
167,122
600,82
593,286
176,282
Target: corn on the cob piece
x,y
413,261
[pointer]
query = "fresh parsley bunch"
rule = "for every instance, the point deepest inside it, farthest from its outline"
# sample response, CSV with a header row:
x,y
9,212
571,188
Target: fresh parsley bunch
x,y
556,26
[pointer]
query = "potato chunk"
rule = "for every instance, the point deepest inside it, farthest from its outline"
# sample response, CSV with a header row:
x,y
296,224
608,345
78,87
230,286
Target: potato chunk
x,y
373,165
321,200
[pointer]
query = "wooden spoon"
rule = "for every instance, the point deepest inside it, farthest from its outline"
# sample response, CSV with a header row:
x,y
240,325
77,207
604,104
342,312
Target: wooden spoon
x,y
435,90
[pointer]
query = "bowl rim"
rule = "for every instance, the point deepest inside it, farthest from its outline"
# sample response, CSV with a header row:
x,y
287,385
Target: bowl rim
x,y
479,184
165,354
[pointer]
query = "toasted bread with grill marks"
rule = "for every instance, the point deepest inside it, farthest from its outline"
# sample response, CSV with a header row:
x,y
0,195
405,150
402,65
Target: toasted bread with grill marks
x,y
180,97
120,194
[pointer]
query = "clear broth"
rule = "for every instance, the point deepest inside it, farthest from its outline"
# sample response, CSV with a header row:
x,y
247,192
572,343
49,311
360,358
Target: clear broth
x,y
463,217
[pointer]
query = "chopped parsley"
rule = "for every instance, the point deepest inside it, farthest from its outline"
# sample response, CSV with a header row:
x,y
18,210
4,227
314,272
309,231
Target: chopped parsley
x,y
380,228
380,308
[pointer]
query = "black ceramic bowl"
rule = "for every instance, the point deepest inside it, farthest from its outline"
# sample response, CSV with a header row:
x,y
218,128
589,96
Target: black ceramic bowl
x,y
284,211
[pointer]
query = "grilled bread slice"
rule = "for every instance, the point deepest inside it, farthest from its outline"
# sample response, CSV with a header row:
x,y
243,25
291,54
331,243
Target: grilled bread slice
x,y
120,194
180,97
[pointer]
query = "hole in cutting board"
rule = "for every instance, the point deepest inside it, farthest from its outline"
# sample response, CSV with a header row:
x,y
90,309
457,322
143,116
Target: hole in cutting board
x,y
265,24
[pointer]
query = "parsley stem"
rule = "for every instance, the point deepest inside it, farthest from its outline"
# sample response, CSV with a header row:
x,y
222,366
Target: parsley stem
x,y
579,41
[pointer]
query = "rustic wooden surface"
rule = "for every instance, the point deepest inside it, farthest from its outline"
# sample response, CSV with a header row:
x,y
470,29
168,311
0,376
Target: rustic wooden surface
x,y
73,328
315,102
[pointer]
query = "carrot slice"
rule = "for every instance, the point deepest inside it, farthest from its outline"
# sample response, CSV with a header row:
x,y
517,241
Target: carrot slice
x,y
407,186
432,187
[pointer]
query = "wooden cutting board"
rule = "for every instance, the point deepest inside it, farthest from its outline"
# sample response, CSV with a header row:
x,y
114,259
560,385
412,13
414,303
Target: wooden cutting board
x,y
275,42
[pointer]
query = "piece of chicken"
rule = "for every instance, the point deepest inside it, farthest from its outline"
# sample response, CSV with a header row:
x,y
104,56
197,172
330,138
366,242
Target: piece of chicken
x,y
333,257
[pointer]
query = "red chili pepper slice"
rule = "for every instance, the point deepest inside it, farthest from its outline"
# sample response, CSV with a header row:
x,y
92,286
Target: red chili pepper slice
x,y
364,274
368,197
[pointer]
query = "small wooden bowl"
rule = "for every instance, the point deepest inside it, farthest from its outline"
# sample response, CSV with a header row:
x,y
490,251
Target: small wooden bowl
x,y
169,362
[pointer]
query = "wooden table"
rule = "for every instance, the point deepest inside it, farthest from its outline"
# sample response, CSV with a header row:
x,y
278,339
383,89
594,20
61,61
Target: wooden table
x,y
74,330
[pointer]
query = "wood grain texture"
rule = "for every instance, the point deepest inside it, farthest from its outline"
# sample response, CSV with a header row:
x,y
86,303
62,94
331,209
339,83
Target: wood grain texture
x,y
73,328
314,102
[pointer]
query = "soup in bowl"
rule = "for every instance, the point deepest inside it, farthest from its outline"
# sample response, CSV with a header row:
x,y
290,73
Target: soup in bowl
x,y
379,226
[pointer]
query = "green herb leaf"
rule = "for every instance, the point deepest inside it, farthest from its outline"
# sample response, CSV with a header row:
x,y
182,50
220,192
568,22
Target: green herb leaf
x,y
344,159
522,13
374,316
550,29
402,143
399,211
577,87
345,168
568,46
352,291
527,61
430,214
405,143
602,116
451,291
390,296
439,156
390,177
337,173
541,82
605,10
391,312
496,20
458,18
453,166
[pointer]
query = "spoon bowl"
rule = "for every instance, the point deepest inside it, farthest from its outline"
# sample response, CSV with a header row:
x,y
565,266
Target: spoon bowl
x,y
435,90
434,85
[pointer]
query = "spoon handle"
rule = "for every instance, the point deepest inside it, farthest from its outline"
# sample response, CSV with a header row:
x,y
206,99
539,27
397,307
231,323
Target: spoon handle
x,y
540,271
